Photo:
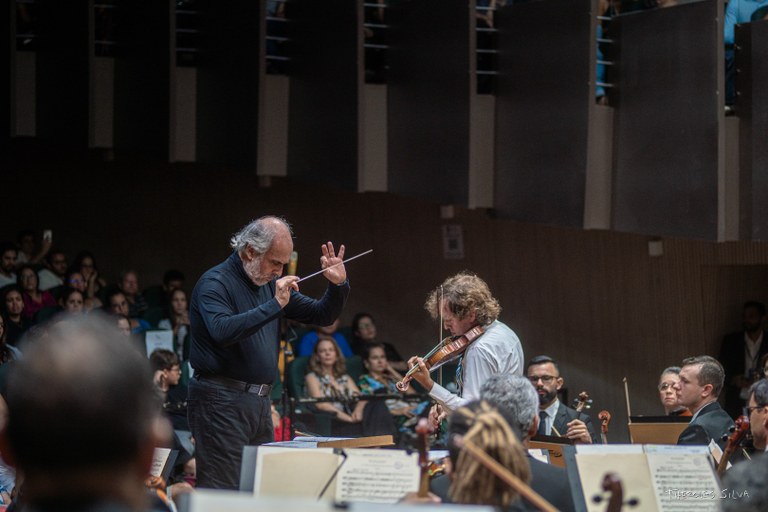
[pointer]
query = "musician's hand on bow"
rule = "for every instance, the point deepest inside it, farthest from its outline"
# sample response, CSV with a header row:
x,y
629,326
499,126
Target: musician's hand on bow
x,y
421,376
283,287
337,274
436,415
577,430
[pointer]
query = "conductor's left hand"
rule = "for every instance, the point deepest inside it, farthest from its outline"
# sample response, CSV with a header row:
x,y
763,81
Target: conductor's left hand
x,y
337,274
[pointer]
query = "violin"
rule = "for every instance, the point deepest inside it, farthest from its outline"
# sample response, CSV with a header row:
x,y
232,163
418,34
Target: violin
x,y
449,349
605,418
739,431
583,402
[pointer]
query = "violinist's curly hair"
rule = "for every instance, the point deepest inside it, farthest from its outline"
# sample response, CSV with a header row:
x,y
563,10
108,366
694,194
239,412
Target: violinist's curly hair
x,y
487,429
464,293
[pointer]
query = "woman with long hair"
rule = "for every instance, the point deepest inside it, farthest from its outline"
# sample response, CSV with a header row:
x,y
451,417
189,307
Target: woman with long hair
x,y
178,321
34,298
327,378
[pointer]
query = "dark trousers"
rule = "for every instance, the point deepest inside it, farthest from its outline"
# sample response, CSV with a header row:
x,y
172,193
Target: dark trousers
x,y
223,421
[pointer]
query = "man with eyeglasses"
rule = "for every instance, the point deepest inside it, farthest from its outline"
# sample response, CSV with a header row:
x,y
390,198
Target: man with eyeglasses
x,y
556,418
701,380
757,412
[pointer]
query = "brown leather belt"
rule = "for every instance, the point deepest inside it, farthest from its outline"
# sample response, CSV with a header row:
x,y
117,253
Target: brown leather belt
x,y
238,385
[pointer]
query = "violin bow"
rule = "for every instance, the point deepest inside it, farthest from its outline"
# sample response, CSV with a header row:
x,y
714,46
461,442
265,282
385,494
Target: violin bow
x,y
507,476
440,335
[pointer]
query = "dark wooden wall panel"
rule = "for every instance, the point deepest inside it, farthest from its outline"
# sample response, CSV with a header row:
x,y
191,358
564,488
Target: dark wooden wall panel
x,y
667,120
8,63
326,82
428,98
752,109
64,55
542,111
229,73
143,71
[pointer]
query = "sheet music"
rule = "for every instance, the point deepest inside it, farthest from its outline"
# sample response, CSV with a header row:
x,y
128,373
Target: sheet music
x,y
159,458
158,339
684,482
294,472
378,476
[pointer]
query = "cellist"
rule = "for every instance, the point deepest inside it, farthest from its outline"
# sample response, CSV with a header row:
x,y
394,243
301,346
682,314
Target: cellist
x,y
464,302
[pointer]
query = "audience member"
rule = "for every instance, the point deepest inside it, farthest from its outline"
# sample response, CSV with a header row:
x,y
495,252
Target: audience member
x,y
77,281
55,270
381,378
667,394
739,355
364,333
557,419
72,302
85,263
118,304
123,324
8,255
34,298
28,253
8,353
82,451
16,324
309,340
178,321
701,380
129,285
327,378
166,369
173,280
762,367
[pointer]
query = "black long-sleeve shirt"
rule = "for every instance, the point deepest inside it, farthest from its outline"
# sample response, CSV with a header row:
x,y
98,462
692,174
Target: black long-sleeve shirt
x,y
234,324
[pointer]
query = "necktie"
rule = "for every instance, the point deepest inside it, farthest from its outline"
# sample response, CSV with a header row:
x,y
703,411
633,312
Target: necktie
x,y
542,423
460,376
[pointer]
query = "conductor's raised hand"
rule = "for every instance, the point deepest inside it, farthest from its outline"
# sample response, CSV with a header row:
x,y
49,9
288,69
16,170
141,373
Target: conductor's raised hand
x,y
283,287
336,274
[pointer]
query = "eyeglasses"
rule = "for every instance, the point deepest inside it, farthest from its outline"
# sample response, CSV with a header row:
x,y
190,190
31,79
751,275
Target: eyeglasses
x,y
666,385
546,379
750,410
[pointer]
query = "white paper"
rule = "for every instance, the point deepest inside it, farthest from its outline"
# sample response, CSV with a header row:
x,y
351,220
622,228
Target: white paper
x,y
378,476
158,339
684,482
159,458
589,449
539,454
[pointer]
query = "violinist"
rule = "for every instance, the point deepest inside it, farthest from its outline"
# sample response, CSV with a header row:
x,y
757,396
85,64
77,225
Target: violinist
x,y
464,302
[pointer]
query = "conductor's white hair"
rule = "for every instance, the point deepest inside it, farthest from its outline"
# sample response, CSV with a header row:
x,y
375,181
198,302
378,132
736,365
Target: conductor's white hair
x,y
514,392
259,234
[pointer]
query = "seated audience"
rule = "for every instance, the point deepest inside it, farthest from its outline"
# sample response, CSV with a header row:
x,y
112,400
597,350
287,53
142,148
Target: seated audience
x,y
8,255
327,378
82,451
309,340
129,285
16,324
54,271
34,298
178,321
701,380
382,379
118,304
364,332
667,394
85,264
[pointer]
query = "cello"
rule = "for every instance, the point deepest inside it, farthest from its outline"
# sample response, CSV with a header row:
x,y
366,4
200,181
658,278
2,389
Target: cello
x,y
449,349
740,430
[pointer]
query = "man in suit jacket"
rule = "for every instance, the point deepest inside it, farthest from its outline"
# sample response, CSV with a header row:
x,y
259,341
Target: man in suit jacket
x,y
701,380
740,354
556,418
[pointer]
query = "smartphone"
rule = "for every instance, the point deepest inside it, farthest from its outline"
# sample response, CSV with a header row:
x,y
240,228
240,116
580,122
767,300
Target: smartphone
x,y
48,235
